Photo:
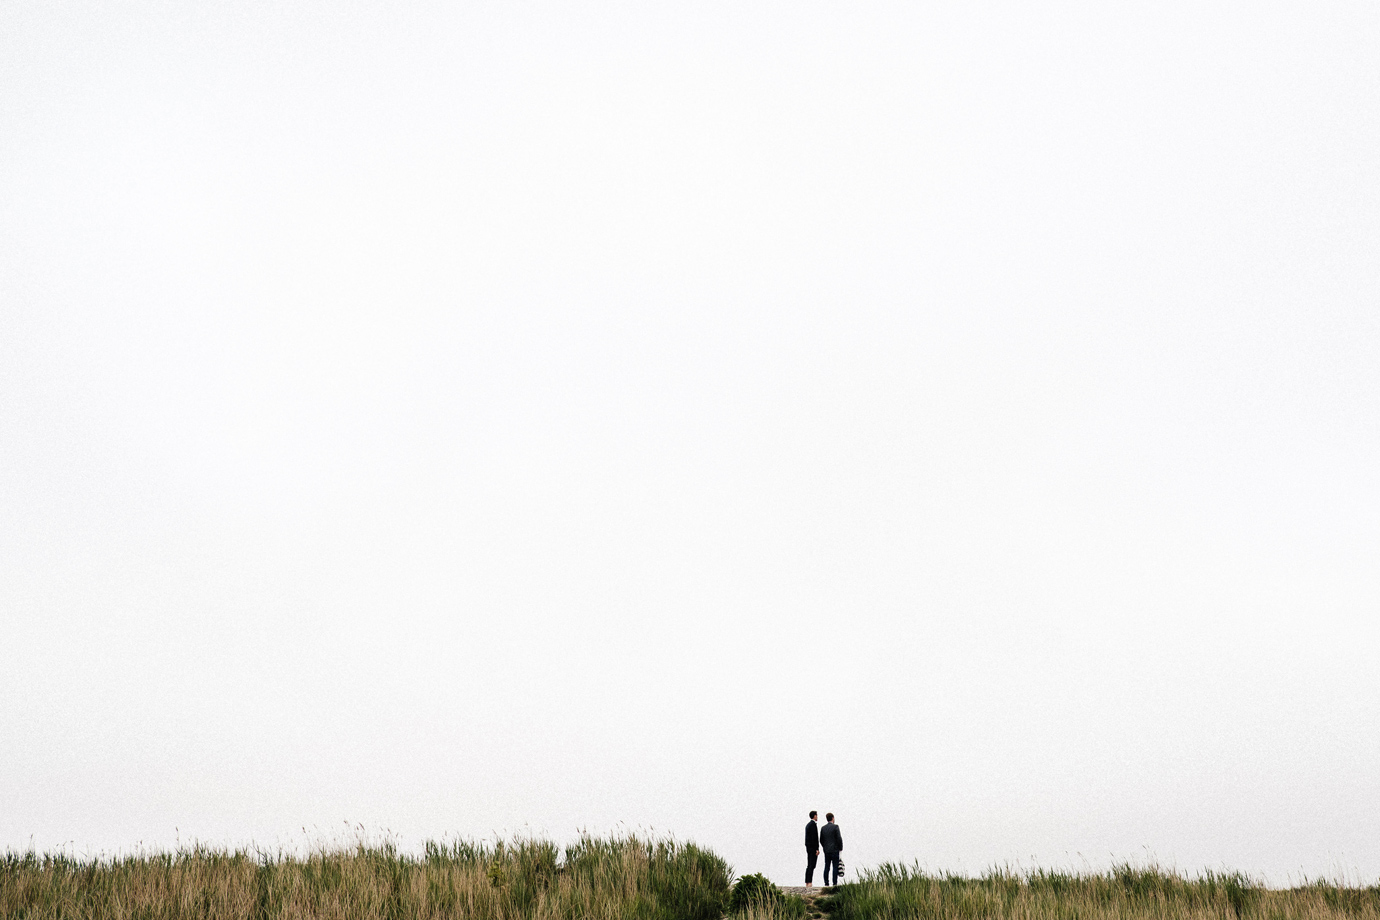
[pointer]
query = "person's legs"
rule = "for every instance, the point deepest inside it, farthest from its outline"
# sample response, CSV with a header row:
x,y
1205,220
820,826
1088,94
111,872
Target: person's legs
x,y
810,860
831,859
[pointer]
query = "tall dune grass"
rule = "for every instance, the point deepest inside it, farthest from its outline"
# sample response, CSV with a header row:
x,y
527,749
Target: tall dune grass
x,y
893,892
627,878
617,878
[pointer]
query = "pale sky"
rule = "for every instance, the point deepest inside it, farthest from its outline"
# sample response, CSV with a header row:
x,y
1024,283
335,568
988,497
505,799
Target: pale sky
x,y
462,419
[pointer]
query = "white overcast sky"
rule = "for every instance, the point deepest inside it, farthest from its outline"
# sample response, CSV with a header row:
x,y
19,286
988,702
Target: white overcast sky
x,y
516,417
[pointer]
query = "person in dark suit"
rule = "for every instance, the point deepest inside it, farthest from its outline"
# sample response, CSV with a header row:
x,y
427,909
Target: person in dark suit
x,y
811,849
831,839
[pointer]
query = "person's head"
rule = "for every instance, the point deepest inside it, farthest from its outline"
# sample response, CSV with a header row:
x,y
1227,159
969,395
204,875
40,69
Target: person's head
x,y
813,815
829,817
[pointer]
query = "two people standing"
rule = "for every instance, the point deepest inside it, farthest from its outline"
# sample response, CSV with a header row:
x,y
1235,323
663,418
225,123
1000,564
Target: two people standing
x,y
830,839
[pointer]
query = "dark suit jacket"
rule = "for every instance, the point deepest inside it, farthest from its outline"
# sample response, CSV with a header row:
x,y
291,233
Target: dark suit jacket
x,y
811,837
831,838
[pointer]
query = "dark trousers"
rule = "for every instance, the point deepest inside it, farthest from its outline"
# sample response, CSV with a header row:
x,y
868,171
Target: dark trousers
x,y
811,857
830,859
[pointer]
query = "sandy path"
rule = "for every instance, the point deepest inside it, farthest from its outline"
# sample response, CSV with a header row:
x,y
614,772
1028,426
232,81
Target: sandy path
x,y
809,894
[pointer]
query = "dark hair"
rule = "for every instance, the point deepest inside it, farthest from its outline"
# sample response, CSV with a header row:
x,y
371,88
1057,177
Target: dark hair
x,y
813,814
829,816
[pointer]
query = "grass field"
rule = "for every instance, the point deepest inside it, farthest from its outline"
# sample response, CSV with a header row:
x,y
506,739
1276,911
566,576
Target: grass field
x,y
617,878
621,877
1126,893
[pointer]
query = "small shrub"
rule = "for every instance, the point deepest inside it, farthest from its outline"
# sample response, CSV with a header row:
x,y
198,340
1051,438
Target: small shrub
x,y
755,896
752,891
